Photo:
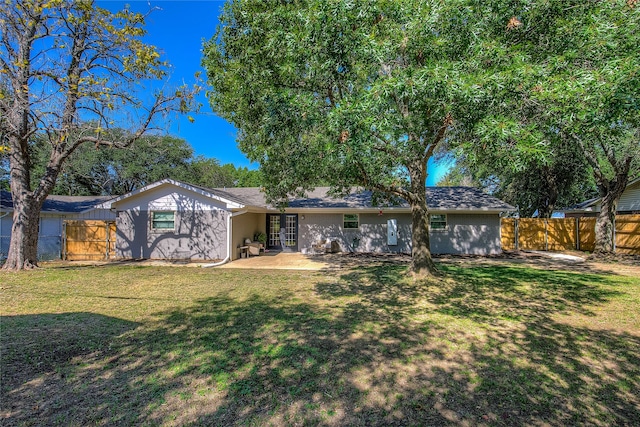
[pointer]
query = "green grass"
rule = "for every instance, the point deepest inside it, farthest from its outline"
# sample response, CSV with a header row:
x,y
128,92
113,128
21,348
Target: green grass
x,y
485,345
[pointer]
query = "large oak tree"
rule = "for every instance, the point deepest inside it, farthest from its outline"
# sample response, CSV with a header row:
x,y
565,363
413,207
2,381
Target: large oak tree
x,y
69,71
571,76
348,93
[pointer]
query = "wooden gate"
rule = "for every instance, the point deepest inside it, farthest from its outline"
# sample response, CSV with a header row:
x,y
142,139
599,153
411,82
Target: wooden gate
x,y
90,240
508,234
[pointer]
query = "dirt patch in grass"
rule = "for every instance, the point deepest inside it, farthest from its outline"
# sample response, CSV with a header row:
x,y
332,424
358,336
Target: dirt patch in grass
x,y
487,344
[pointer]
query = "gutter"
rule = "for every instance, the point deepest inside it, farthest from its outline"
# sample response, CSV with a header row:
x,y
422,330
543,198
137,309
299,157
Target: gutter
x,y
229,232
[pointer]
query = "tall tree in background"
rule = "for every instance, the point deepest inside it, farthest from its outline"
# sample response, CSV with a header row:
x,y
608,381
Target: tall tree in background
x,y
560,179
108,170
64,63
94,171
349,93
208,172
574,76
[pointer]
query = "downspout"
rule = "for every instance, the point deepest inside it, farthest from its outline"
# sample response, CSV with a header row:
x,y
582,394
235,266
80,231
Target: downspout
x,y
229,233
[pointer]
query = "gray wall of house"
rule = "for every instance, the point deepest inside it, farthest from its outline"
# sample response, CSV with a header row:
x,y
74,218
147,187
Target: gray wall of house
x,y
476,234
465,234
371,235
198,235
200,226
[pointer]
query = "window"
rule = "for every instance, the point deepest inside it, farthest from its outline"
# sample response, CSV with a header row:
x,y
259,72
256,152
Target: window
x,y
438,221
163,221
351,221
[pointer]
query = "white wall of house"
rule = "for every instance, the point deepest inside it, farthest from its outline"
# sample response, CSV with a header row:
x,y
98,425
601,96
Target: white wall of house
x,y
630,199
168,197
244,227
5,232
95,214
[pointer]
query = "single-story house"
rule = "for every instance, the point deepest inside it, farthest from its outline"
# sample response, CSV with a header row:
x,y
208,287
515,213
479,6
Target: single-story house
x,y
629,203
55,210
174,220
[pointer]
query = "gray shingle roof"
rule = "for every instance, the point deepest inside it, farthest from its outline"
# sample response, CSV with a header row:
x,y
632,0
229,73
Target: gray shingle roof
x,y
438,198
60,204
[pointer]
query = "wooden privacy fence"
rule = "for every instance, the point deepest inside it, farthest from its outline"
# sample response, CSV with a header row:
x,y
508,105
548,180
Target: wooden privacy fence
x,y
557,234
89,240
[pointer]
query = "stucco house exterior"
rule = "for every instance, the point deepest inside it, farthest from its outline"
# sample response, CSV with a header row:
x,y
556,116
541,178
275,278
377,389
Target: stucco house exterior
x,y
55,210
629,203
174,220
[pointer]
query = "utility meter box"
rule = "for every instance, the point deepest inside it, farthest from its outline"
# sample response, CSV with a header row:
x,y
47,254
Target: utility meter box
x,y
392,232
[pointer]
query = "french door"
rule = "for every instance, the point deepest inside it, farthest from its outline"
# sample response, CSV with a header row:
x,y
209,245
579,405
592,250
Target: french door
x,y
288,224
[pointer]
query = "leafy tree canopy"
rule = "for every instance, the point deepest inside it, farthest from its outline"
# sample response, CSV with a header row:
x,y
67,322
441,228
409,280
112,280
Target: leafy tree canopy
x,y
570,81
349,93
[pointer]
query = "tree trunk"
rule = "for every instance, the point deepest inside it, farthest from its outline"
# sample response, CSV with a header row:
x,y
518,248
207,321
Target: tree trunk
x,y
421,262
610,192
27,204
23,248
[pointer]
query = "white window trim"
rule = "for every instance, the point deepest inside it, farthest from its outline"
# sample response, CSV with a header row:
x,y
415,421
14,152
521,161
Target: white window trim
x,y
350,228
446,223
162,230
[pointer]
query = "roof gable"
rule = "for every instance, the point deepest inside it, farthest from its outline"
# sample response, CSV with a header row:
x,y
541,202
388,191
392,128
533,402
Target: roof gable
x,y
230,201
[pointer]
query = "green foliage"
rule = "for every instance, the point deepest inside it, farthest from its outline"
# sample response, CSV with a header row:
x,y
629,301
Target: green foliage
x,y
94,170
459,175
567,80
343,92
208,172
261,237
348,93
544,184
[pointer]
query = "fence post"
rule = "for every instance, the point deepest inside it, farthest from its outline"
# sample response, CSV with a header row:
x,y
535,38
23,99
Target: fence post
x,y
577,233
106,250
516,232
64,240
546,234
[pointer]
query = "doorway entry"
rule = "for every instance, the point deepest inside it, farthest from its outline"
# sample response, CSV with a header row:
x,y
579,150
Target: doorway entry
x,y
288,222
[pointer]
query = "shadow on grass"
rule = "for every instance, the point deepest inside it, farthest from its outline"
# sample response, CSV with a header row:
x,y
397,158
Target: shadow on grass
x,y
480,347
46,344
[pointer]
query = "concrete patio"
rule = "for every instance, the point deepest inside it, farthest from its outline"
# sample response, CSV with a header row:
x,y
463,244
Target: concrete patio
x,y
283,261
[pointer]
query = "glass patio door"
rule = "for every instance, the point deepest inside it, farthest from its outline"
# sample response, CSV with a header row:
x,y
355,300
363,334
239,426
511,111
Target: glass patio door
x,y
288,222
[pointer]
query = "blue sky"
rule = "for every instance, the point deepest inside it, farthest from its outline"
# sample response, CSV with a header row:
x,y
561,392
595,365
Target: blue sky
x,y
177,29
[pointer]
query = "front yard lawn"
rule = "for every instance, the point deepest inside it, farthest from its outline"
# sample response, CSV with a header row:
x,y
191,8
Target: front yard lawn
x,y
500,344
